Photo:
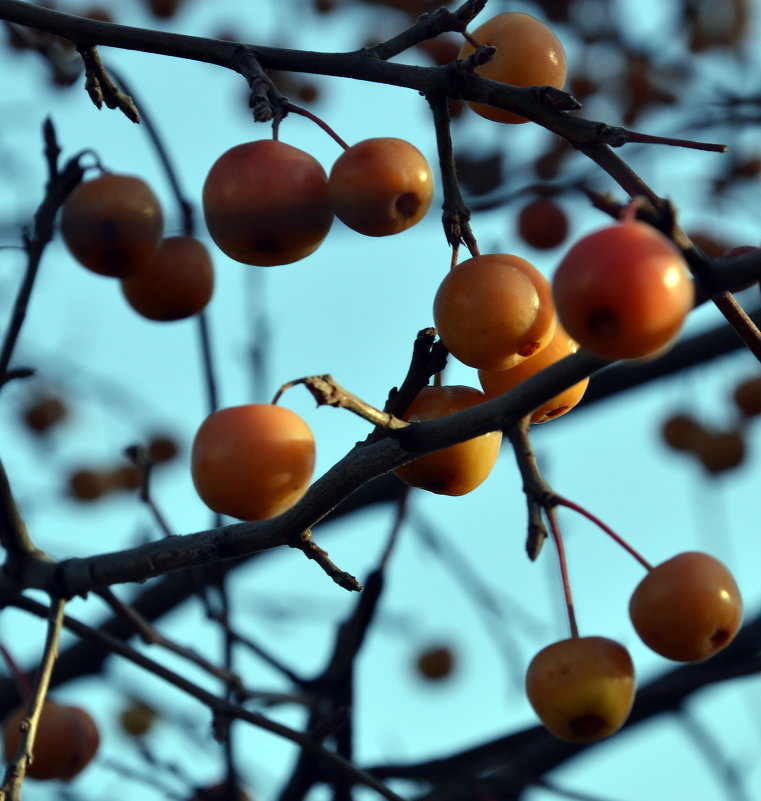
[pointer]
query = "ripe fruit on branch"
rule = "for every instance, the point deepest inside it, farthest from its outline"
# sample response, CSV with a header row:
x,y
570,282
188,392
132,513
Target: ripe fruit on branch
x,y
687,608
177,283
112,224
582,688
44,413
494,311
67,739
623,292
460,468
528,54
267,203
137,718
495,382
381,186
252,462
542,223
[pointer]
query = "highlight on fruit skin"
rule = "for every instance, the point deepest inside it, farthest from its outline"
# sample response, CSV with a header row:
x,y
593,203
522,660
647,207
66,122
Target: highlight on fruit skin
x,y
494,311
252,461
67,740
496,382
457,469
623,292
582,688
687,608
528,54
381,186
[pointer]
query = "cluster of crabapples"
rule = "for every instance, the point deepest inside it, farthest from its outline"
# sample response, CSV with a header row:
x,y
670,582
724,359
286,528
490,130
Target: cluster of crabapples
x,y
622,292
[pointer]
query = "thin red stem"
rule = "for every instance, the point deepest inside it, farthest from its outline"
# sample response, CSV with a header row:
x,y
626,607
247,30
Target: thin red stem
x,y
557,538
294,109
607,529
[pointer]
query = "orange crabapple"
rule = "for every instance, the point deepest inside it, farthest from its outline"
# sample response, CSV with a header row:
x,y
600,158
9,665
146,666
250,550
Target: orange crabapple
x,y
494,311
582,688
457,469
495,382
177,282
252,461
623,292
67,740
381,186
528,54
687,608
112,224
542,223
267,203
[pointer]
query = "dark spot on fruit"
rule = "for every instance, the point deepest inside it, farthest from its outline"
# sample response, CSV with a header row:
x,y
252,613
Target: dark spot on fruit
x,y
407,204
556,412
719,638
529,349
109,230
602,323
267,246
587,725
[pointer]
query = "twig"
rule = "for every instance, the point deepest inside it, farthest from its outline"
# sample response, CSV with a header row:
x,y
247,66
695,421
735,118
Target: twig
x,y
16,770
219,706
60,185
304,543
456,214
327,392
102,89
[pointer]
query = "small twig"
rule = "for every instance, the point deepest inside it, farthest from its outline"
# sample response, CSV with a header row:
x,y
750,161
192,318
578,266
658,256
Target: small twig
x,y
16,770
152,636
615,136
456,214
60,184
14,536
429,357
102,89
267,102
738,318
539,494
304,543
139,457
327,392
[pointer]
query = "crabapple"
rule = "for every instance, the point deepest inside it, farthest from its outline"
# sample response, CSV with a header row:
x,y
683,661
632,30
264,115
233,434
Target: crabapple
x,y
494,311
582,688
252,462
267,203
381,186
177,283
495,382
112,224
67,739
528,54
457,469
623,292
687,608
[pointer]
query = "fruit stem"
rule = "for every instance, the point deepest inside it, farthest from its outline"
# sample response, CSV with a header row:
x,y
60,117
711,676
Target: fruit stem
x,y
607,529
294,109
557,538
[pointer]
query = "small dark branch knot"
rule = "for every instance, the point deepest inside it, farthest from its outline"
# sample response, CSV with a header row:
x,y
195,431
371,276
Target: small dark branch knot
x,y
556,98
481,55
102,89
266,101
